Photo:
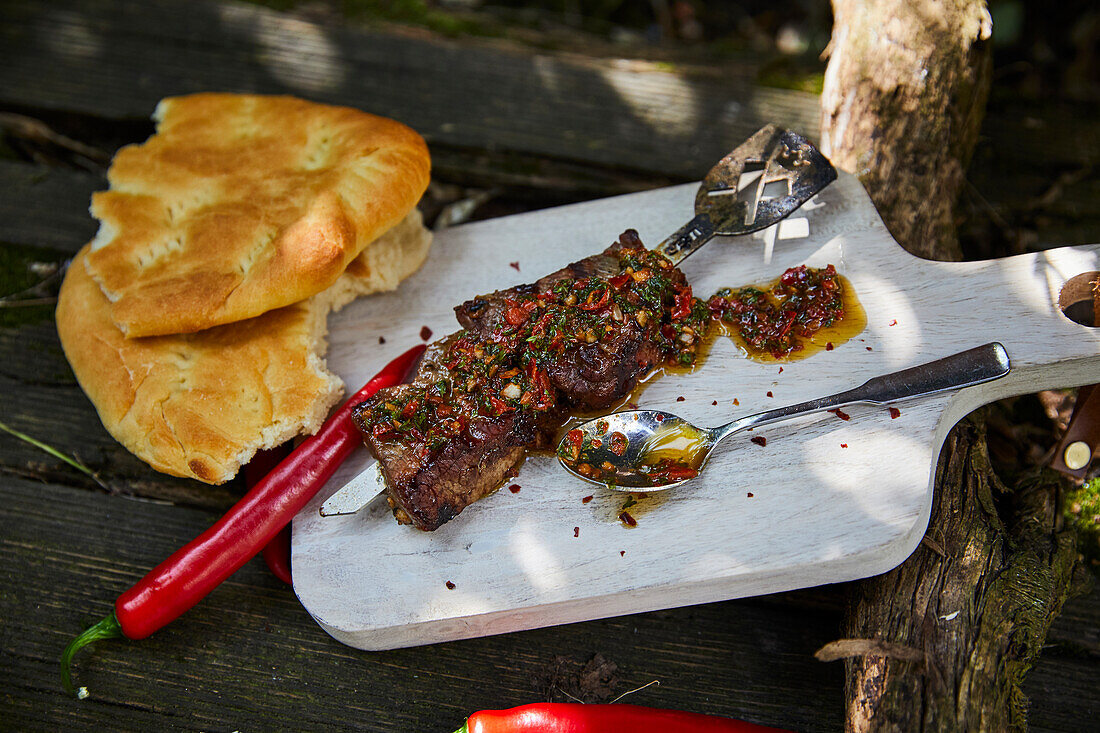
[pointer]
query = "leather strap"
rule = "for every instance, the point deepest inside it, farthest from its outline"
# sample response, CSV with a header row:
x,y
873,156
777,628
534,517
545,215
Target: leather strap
x,y
1081,441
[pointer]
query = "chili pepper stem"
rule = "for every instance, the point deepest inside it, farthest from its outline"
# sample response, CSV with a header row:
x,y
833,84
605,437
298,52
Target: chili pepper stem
x,y
464,729
108,628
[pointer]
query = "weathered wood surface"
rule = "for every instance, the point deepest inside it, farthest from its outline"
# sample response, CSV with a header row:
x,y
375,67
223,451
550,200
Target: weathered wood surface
x,y
84,56
249,657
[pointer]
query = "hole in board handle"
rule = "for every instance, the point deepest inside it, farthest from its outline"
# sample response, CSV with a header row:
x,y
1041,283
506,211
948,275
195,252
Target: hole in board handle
x,y
1078,296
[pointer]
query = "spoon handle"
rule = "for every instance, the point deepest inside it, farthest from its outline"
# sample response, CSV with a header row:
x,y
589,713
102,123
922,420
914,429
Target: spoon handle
x,y
687,239
965,369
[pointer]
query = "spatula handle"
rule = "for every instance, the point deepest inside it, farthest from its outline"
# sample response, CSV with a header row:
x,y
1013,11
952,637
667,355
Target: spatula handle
x,y
687,239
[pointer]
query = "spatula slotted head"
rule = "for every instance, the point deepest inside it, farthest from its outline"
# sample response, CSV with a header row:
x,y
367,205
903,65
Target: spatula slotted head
x,y
734,192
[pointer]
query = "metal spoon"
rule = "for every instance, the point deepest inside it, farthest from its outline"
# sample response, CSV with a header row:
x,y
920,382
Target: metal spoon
x,y
656,450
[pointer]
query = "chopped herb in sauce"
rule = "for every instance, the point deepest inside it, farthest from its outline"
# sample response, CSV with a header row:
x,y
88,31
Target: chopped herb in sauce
x,y
775,321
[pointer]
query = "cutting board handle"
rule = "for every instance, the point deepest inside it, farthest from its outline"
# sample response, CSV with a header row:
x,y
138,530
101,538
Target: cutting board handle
x,y
1017,301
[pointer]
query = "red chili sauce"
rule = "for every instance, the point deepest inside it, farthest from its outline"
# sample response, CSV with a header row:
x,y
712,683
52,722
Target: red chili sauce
x,y
777,320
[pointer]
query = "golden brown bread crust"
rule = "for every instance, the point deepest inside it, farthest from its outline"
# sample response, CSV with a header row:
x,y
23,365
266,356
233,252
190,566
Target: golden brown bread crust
x,y
240,204
199,405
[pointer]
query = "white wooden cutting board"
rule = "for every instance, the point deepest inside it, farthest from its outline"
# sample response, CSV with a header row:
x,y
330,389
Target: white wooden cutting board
x,y
801,511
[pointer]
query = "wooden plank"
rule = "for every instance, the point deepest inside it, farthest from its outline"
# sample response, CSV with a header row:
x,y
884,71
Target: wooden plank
x,y
40,397
250,658
46,207
80,56
1070,660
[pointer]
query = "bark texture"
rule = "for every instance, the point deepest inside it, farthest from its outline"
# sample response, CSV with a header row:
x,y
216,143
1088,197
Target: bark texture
x,y
902,104
949,634
942,642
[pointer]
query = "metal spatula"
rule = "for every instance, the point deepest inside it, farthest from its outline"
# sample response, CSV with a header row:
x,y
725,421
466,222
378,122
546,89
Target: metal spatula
x,y
733,199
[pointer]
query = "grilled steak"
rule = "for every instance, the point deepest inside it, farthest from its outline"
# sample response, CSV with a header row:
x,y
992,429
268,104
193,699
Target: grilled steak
x,y
579,338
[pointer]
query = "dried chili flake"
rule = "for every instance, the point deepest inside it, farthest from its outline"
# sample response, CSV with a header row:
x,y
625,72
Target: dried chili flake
x,y
622,553
770,394
841,414
843,445
628,520
829,346
715,402
381,339
680,398
749,495
735,402
586,499
893,322
760,440
514,266
869,348
425,333
894,413
450,585
576,531
514,488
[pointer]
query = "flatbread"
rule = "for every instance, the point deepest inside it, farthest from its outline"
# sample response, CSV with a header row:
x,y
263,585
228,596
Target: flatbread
x,y
200,405
240,204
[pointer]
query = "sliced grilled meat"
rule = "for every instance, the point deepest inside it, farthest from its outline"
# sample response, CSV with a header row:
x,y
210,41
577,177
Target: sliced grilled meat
x,y
578,338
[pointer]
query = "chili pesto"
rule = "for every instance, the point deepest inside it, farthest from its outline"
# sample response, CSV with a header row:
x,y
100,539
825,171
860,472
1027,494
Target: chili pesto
x,y
507,370
775,321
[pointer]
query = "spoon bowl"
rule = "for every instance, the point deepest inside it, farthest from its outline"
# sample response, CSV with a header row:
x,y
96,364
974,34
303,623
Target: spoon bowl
x,y
637,449
655,450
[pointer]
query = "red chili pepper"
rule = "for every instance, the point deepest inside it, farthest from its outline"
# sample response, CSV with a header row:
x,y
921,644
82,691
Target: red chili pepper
x,y
682,304
576,437
277,552
613,718
277,556
619,280
515,315
499,405
201,565
675,473
598,304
